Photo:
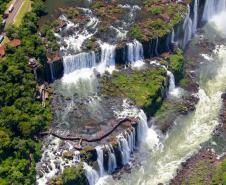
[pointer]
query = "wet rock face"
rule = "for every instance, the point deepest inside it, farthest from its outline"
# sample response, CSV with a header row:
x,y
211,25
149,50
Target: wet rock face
x,y
118,155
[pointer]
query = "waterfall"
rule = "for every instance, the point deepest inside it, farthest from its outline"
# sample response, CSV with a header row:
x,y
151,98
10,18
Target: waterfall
x,y
213,7
52,72
91,174
142,127
100,160
187,28
134,52
173,36
195,19
79,61
173,90
124,148
107,58
112,165
88,60
156,47
172,85
130,140
82,65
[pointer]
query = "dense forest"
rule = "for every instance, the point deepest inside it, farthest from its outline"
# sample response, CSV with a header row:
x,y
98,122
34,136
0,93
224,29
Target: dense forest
x,y
22,117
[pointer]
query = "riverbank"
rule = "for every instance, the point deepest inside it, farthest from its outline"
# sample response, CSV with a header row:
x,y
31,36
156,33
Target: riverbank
x,y
205,167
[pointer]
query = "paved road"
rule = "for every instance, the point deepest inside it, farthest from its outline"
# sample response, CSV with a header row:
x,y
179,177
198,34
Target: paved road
x,y
12,15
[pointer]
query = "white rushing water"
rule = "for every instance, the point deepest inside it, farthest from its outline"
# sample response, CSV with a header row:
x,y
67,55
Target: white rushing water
x,y
112,165
159,164
107,62
91,174
195,19
135,54
187,28
80,34
100,160
85,64
173,90
213,7
52,161
124,148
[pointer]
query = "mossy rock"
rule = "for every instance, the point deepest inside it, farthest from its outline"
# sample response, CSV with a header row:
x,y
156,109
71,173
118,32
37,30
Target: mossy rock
x,y
68,155
74,175
88,154
145,87
176,65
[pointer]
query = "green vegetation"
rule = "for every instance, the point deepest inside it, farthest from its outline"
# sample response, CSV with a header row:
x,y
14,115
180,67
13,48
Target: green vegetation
x,y
206,172
88,154
219,177
4,4
199,175
50,40
136,33
109,12
158,19
22,117
23,10
176,64
145,88
71,176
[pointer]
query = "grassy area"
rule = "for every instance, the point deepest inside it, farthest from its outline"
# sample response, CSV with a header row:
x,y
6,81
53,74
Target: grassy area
x,y
219,177
26,7
143,87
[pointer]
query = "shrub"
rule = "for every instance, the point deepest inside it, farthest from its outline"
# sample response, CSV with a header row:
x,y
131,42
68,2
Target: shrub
x,y
74,175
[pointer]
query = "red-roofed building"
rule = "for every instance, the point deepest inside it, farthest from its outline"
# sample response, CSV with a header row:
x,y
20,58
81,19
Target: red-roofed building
x,y
15,43
2,51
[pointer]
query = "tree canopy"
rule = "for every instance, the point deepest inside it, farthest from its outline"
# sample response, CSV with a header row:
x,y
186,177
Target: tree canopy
x,y
22,116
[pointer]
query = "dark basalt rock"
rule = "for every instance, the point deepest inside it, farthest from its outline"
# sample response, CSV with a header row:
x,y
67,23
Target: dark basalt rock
x,y
118,155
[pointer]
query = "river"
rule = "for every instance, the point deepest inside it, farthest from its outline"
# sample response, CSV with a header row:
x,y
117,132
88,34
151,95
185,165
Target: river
x,y
161,155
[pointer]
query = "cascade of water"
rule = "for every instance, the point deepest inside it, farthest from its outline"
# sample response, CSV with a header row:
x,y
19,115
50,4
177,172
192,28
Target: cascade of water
x,y
195,19
124,148
134,52
173,90
80,34
173,36
130,140
52,72
107,58
142,127
213,7
156,46
100,160
112,165
52,162
172,85
83,64
79,61
91,174
187,28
